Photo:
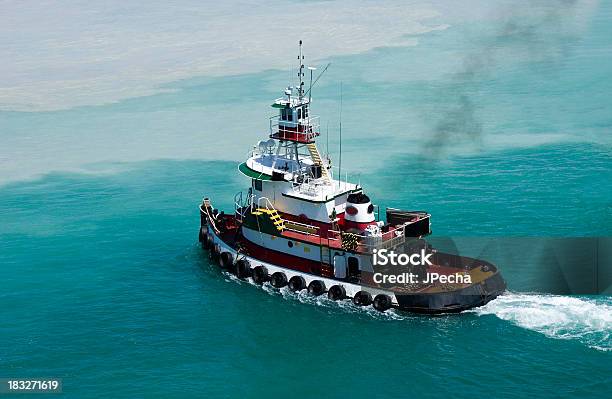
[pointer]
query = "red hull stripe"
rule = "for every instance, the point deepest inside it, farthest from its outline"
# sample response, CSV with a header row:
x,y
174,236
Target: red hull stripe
x,y
281,259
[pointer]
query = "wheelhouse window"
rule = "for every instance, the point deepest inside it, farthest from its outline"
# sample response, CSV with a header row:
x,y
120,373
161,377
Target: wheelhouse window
x,y
287,114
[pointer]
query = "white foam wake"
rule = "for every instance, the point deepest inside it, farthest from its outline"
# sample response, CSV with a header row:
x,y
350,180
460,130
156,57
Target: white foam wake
x,y
345,305
586,320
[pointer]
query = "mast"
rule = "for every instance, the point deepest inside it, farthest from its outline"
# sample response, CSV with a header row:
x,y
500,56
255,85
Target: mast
x,y
301,73
296,128
340,156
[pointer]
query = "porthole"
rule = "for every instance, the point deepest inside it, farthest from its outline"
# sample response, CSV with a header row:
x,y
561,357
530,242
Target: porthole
x,y
290,244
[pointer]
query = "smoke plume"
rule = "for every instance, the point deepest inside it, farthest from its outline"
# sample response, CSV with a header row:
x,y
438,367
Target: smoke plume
x,y
533,32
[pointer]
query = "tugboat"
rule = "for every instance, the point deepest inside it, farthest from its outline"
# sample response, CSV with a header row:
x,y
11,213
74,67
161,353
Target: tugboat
x,y
301,225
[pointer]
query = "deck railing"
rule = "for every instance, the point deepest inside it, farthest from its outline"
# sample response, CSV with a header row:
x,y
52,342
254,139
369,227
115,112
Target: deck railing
x,y
242,203
311,186
389,239
302,228
305,130
364,243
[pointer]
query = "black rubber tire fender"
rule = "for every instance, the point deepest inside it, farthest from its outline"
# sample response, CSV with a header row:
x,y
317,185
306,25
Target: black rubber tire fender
x,y
316,287
210,242
278,280
362,298
382,302
243,268
215,252
336,293
297,283
260,275
226,260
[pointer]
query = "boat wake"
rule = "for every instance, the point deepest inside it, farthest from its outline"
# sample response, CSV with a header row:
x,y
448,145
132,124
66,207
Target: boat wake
x,y
345,305
585,319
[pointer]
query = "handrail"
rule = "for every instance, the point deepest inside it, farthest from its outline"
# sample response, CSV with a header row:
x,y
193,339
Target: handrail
x,y
387,239
285,134
311,121
303,224
392,230
267,203
210,218
240,204
378,242
306,227
306,128
269,206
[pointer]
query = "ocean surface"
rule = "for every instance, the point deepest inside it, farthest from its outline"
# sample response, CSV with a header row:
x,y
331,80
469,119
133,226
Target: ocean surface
x,y
114,123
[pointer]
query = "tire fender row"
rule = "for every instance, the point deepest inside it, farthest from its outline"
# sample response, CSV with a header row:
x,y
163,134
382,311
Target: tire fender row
x,y
242,269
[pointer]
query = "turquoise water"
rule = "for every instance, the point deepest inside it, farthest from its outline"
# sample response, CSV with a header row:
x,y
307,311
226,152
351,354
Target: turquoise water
x,y
497,128
107,288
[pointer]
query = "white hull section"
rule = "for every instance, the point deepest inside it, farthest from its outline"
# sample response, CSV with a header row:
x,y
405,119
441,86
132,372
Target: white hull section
x,y
350,288
304,250
281,244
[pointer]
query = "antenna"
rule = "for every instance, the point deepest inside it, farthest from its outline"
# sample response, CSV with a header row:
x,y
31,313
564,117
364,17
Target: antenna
x,y
290,74
340,157
301,73
318,77
310,89
327,144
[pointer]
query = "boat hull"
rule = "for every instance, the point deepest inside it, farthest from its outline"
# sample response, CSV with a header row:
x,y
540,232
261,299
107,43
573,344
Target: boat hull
x,y
452,301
